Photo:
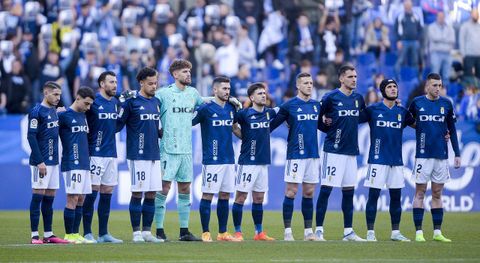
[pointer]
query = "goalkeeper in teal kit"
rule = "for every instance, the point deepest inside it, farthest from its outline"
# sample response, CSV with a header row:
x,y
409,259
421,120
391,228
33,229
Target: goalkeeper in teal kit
x,y
178,102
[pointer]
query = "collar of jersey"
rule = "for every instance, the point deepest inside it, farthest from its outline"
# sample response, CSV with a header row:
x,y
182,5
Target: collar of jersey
x,y
176,89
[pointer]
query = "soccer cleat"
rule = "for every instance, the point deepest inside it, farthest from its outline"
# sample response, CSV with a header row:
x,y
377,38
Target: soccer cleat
x,y
441,238
319,236
82,240
90,238
353,237
148,237
288,236
371,237
137,237
206,237
162,236
54,240
419,238
36,241
399,237
189,237
238,235
226,237
262,236
309,237
70,238
107,238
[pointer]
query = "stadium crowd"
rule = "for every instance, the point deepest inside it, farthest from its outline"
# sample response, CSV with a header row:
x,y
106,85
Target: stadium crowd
x,y
73,41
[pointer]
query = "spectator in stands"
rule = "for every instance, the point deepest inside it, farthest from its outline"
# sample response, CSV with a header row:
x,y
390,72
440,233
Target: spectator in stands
x,y
469,45
240,83
246,48
320,85
469,109
17,89
371,97
197,12
301,41
376,38
328,31
270,37
441,37
132,67
332,69
227,57
250,13
408,30
49,71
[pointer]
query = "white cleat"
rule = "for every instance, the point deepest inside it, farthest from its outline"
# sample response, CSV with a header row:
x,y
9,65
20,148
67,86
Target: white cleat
x,y
371,237
138,238
309,237
288,237
399,237
148,237
319,236
353,237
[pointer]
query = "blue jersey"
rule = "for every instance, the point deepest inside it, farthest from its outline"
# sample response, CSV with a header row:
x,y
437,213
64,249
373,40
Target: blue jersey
x,y
302,118
216,124
433,119
255,127
74,136
386,130
142,117
102,121
342,135
43,135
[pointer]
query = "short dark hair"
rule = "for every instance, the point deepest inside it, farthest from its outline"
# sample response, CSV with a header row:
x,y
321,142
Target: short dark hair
x,y
303,75
344,69
104,75
51,85
434,76
252,88
220,79
145,73
86,92
179,64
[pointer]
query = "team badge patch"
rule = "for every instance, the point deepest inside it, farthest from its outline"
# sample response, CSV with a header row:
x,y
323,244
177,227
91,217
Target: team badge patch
x,y
33,123
442,110
315,108
231,114
399,117
268,116
356,103
120,113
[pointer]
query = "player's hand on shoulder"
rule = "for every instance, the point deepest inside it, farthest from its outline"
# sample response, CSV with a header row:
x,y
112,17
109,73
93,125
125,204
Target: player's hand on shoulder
x,y
128,94
61,109
235,102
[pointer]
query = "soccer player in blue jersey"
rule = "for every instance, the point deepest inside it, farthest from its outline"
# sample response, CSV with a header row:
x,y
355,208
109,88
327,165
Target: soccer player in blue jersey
x,y
102,118
301,114
218,172
75,164
141,115
385,166
435,118
339,163
252,125
43,140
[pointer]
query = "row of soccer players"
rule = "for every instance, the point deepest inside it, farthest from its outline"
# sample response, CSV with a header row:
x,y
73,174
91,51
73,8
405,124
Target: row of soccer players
x,y
343,109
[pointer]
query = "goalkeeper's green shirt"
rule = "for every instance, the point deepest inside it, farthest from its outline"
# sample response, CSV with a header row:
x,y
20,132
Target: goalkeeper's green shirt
x,y
176,113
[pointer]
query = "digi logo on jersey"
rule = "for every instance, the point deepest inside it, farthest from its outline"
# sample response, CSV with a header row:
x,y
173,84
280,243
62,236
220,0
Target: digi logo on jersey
x,y
83,128
307,117
259,125
149,117
107,116
348,113
436,118
389,124
216,123
52,124
182,110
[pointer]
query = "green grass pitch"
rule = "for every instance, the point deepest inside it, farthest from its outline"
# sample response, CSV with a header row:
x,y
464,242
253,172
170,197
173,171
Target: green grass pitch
x,y
462,228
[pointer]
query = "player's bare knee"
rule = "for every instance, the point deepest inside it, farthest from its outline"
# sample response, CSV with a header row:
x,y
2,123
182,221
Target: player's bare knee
x,y
258,197
207,196
95,187
150,195
38,191
224,195
291,192
240,197
106,189
166,187
50,192
137,194
183,188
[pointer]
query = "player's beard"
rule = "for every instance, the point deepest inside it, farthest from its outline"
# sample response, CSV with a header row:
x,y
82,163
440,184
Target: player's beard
x,y
186,82
111,93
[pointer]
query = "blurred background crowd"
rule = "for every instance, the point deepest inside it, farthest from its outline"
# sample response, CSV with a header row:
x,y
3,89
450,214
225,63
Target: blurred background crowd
x,y
73,41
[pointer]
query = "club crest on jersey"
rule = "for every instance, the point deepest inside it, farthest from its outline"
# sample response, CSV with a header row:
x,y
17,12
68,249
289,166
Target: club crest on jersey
x,y
315,108
33,123
356,103
120,113
442,110
399,117
158,108
268,116
231,114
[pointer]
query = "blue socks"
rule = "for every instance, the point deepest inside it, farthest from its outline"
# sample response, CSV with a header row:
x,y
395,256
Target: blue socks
x,y
88,208
237,210
205,210
371,208
47,212
69,220
103,213
322,204
148,211
78,219
347,207
437,217
35,211
395,208
287,211
418,218
307,211
222,214
135,209
257,214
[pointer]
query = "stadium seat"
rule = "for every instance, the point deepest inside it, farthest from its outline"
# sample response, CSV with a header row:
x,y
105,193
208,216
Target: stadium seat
x,y
408,74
